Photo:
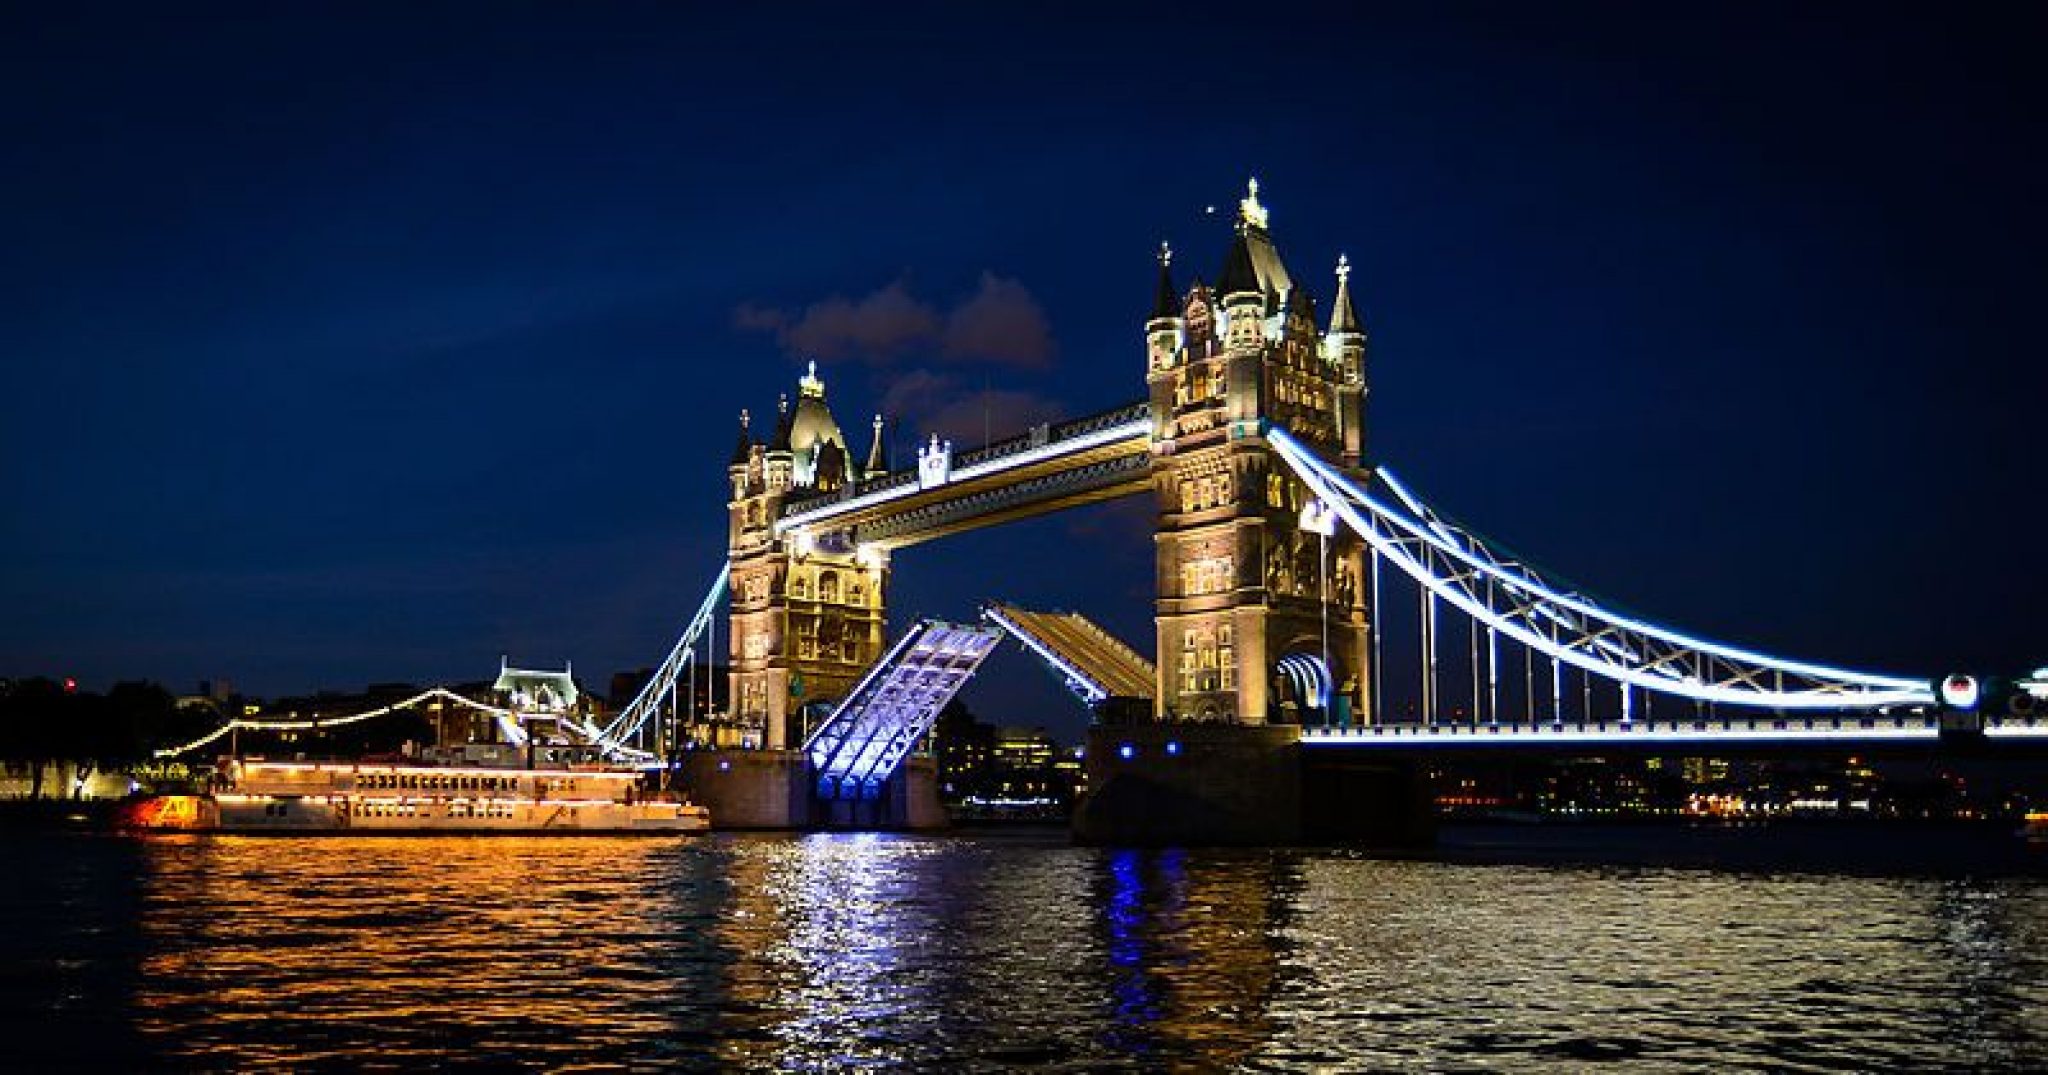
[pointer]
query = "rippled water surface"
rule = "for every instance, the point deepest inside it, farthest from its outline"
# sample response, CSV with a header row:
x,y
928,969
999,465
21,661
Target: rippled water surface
x,y
986,952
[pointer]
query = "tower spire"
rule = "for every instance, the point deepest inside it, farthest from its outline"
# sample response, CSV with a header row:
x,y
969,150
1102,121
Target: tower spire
x,y
745,445
1165,304
1249,212
783,421
878,454
1343,316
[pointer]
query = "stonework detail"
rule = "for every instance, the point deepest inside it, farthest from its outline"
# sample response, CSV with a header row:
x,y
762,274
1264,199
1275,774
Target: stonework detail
x,y
807,608
1240,584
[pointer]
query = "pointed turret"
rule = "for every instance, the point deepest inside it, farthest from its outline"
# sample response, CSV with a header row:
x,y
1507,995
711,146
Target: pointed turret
x,y
783,422
1343,316
878,454
1253,265
744,447
1344,351
1163,332
1239,276
1166,303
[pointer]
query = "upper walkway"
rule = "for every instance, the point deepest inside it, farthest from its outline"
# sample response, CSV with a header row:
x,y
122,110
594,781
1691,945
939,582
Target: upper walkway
x,y
1052,466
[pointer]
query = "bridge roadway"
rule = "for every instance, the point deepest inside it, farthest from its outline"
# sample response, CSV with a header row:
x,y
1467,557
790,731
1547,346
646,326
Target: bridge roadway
x,y
1850,731
1096,664
1059,465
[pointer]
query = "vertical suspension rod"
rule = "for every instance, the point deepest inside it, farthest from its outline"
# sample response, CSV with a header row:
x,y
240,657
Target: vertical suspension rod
x,y
1428,656
1472,658
1372,620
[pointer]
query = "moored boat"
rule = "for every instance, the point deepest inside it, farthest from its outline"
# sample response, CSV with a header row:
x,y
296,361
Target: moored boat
x,y
256,795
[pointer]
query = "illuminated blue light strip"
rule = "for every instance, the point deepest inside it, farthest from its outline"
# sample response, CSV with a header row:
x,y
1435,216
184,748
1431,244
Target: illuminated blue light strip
x,y
1310,678
1453,546
826,728
1407,736
1327,484
864,740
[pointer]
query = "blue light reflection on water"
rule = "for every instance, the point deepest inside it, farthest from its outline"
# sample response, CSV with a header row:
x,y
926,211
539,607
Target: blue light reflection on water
x,y
831,952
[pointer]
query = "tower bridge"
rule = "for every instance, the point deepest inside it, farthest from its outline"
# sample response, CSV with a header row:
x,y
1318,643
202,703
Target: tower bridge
x,y
1278,549
1277,546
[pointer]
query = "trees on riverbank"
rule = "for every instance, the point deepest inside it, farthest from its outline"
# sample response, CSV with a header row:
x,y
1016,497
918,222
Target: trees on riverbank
x,y
44,724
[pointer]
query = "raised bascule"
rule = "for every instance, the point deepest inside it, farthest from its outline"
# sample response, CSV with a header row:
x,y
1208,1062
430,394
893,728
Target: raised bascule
x,y
1263,713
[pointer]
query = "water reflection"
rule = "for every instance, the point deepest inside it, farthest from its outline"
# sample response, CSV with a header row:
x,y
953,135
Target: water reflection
x,y
1193,950
837,952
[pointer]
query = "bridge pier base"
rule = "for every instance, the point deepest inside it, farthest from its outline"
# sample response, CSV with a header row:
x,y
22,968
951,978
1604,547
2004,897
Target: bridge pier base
x,y
1212,784
909,802
774,789
1160,784
750,789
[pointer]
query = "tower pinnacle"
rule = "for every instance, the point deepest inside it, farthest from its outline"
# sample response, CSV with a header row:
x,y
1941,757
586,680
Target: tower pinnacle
x,y
1343,316
878,456
1166,302
1249,211
745,445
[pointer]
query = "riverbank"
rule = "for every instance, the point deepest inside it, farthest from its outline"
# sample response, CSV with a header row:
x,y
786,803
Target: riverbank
x,y
43,815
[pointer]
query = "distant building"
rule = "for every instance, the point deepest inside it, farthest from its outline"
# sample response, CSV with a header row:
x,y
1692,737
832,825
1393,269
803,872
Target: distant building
x,y
964,749
1021,763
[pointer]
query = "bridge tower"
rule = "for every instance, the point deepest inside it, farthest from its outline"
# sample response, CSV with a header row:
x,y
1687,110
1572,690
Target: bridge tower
x,y
1261,610
807,616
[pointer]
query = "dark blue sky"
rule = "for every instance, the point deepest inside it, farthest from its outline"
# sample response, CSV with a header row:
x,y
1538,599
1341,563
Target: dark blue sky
x,y
369,342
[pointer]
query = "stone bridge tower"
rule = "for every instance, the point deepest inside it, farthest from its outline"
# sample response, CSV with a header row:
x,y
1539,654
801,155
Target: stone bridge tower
x,y
1261,617
807,618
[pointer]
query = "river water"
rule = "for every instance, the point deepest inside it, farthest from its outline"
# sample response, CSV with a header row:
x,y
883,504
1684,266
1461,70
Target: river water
x,y
1504,951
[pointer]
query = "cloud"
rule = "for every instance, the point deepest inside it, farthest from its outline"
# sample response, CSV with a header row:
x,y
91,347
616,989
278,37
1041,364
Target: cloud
x,y
926,403
1001,324
752,318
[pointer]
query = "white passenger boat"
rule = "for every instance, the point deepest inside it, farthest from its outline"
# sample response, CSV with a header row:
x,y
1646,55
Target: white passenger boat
x,y
256,795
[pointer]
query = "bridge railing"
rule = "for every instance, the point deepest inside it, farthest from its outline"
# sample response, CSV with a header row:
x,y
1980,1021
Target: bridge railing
x,y
1847,728
1863,725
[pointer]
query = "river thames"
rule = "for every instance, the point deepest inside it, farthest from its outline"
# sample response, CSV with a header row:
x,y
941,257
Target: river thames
x,y
1649,950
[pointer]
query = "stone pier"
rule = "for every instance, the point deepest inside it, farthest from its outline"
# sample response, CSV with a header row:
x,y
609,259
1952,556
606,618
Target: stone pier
x,y
773,789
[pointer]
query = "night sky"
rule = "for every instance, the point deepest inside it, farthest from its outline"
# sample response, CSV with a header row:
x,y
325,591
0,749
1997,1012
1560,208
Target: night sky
x,y
368,343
